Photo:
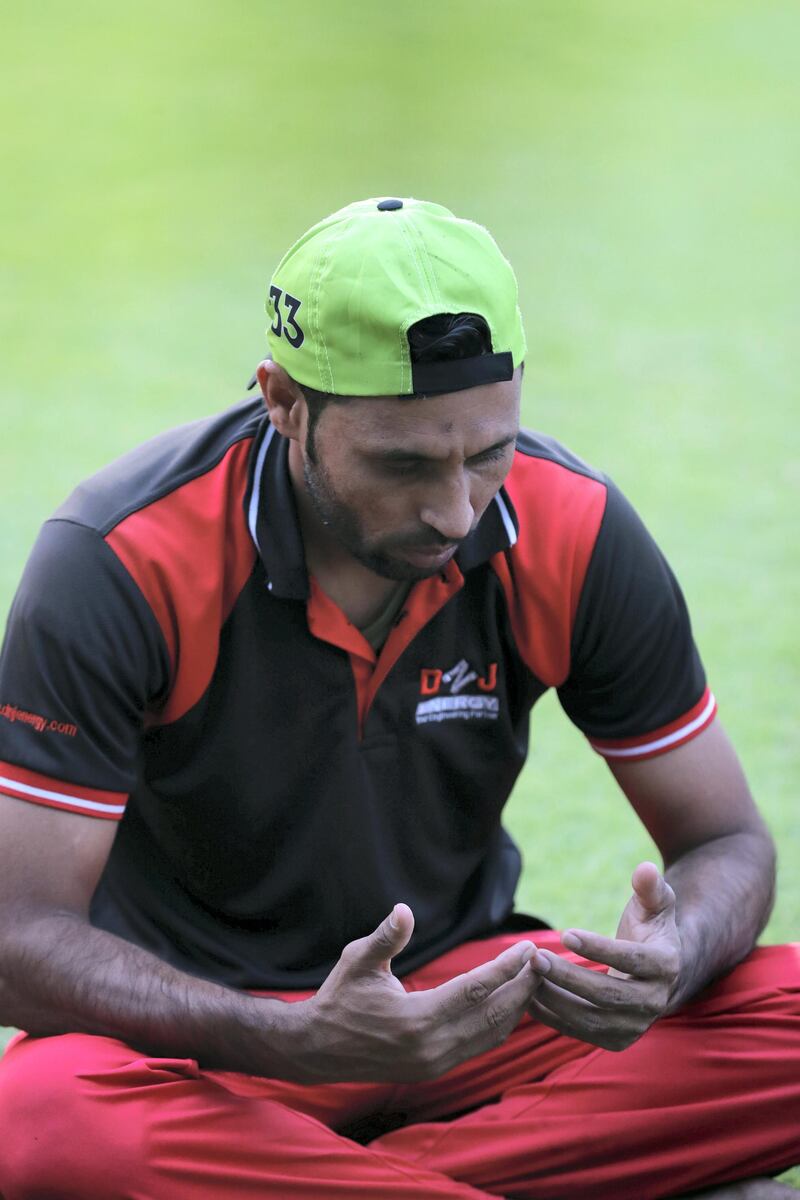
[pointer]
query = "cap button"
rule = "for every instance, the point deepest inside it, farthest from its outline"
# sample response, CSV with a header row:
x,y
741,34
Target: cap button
x,y
389,205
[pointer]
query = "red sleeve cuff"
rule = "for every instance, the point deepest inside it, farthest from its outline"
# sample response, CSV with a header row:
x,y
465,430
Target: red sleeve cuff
x,y
55,793
659,741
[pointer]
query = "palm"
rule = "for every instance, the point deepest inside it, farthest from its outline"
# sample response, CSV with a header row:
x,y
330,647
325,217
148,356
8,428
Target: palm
x,y
638,924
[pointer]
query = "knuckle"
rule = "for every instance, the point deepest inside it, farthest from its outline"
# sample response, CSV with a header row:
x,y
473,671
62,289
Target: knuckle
x,y
476,991
654,1002
651,1007
671,962
498,1022
616,997
638,963
597,1026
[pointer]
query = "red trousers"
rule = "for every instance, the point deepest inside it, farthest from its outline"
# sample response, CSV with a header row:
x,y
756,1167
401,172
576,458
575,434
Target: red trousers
x,y
707,1095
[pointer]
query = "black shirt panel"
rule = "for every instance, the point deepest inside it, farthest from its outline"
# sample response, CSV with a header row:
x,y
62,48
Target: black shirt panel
x,y
635,667
259,879
83,649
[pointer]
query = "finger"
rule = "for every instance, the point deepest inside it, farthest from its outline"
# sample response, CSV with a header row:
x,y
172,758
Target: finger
x,y
474,987
510,1000
594,986
377,949
633,1002
487,1024
644,960
652,890
581,1020
576,1019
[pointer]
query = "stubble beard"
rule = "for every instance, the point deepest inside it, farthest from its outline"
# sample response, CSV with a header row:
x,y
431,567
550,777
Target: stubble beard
x,y
345,526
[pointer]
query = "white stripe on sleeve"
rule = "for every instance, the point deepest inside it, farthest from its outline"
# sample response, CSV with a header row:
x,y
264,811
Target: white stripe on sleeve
x,y
661,743
77,801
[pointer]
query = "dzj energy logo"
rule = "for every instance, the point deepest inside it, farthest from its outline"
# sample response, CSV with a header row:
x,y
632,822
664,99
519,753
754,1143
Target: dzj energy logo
x,y
447,699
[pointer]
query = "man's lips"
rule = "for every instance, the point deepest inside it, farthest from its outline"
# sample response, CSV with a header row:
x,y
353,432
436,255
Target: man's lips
x,y
430,555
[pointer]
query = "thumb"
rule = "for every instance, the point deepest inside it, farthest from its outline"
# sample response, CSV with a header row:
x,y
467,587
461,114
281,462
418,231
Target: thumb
x,y
652,890
378,948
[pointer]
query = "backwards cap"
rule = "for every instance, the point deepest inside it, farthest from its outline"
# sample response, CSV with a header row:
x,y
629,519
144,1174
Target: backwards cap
x,y
343,298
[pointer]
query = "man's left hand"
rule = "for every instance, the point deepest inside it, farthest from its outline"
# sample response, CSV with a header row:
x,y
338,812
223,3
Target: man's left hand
x,y
614,1009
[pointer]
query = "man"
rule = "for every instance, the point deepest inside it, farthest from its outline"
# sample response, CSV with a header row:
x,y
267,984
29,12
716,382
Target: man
x,y
298,650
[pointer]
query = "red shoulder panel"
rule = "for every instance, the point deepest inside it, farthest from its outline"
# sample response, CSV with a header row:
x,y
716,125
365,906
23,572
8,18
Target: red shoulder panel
x,y
559,512
191,554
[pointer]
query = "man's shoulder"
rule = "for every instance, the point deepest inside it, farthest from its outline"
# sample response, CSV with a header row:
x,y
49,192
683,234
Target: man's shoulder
x,y
539,454
555,493
164,465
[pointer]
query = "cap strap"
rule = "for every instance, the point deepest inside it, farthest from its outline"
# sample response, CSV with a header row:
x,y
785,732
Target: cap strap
x,y
457,374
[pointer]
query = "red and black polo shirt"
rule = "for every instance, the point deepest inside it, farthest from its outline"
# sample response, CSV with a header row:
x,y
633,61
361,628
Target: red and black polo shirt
x,y
169,662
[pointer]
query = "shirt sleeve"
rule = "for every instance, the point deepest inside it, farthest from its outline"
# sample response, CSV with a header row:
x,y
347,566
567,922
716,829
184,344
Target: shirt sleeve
x,y
636,685
82,663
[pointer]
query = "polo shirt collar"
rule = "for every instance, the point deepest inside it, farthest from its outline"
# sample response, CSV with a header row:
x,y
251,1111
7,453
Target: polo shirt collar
x,y
272,516
275,527
496,531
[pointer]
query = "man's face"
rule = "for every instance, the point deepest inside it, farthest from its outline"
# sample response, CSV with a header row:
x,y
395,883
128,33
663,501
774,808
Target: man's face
x,y
400,483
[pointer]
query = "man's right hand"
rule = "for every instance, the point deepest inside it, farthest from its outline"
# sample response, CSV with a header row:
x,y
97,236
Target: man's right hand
x,y
60,974
362,1025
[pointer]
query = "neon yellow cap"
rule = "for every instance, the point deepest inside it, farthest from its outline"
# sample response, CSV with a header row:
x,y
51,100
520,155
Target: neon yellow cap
x,y
342,299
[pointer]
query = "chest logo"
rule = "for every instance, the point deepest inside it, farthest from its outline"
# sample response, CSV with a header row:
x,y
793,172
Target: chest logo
x,y
446,698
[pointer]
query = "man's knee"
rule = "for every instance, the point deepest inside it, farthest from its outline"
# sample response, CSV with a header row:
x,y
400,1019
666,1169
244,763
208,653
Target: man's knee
x,y
62,1134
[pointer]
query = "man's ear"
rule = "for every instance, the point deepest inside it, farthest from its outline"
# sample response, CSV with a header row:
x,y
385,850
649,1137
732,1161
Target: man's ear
x,y
285,402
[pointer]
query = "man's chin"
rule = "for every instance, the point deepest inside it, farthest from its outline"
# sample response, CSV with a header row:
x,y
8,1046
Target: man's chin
x,y
406,568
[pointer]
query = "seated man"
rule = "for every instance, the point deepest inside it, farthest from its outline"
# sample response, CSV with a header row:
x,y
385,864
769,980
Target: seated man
x,y
267,683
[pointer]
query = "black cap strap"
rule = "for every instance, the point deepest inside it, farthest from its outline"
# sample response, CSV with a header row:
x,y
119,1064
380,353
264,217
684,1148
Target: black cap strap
x,y
457,374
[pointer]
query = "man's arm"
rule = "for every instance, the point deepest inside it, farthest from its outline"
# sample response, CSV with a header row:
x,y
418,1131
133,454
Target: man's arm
x,y
679,932
719,857
58,974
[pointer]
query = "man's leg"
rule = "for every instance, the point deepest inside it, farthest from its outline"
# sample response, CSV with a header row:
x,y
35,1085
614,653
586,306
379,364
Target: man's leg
x,y
86,1118
709,1095
89,1114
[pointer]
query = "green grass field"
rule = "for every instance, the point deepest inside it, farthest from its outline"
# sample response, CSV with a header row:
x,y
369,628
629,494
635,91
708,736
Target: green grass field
x,y
638,164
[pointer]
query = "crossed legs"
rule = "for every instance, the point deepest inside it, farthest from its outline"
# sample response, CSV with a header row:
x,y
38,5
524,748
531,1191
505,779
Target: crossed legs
x,y
709,1095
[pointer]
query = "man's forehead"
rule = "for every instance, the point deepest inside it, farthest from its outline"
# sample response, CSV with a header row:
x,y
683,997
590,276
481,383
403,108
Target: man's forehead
x,y
379,421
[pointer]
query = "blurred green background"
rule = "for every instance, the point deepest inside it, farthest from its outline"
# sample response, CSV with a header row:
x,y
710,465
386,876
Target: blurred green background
x,y
640,166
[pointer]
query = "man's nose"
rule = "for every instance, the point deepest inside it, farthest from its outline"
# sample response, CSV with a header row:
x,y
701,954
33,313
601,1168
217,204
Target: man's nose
x,y
449,510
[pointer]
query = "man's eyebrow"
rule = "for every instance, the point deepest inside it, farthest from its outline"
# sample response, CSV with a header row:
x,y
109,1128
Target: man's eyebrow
x,y
411,455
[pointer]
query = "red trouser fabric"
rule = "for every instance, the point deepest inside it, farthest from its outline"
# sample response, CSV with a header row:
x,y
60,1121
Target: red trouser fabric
x,y
707,1095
